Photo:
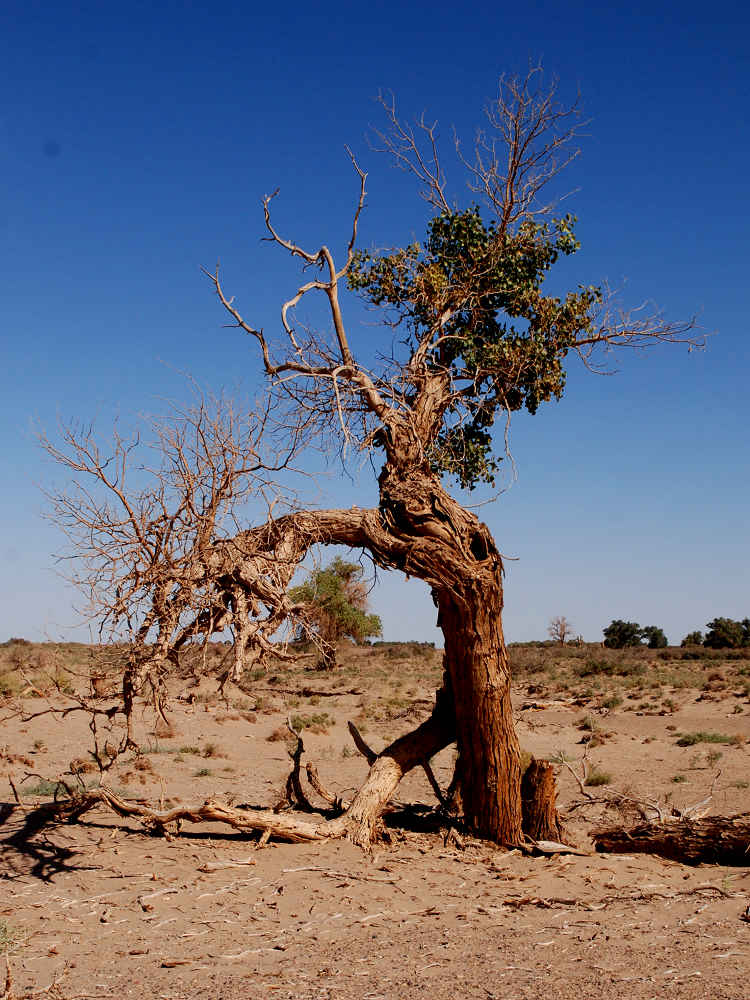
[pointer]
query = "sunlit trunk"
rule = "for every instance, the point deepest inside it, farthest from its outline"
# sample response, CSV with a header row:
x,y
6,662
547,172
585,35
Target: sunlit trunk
x,y
488,766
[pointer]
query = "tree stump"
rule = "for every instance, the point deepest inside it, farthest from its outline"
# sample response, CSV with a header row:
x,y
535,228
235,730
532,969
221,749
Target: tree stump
x,y
100,686
538,802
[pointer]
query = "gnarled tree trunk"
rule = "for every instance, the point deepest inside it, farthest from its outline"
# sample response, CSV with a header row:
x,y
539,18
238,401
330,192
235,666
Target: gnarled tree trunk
x,y
489,764
420,530
449,548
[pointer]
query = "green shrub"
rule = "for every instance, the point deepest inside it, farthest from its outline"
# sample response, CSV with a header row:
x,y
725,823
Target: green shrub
x,y
321,720
596,778
690,739
46,789
10,937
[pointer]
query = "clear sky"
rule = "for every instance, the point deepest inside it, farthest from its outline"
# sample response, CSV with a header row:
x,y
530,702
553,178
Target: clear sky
x,y
137,140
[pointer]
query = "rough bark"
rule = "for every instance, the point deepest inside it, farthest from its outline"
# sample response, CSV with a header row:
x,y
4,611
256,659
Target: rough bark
x,y
721,840
360,821
489,763
449,548
538,800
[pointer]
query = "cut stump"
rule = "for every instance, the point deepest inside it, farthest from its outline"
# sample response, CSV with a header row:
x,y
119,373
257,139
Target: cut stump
x,y
538,801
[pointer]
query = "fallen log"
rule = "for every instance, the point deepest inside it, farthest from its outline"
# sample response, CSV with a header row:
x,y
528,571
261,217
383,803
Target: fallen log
x,y
721,840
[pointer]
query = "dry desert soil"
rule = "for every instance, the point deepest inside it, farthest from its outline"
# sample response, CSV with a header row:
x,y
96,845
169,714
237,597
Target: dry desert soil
x,y
100,908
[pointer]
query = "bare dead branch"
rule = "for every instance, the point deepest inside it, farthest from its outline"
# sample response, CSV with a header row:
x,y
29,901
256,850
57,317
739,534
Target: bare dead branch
x,y
414,149
528,141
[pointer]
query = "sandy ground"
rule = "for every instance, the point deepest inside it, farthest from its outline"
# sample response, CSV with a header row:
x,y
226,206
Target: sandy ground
x,y
102,909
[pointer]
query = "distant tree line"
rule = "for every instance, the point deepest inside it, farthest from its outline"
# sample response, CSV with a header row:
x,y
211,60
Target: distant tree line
x,y
619,635
723,633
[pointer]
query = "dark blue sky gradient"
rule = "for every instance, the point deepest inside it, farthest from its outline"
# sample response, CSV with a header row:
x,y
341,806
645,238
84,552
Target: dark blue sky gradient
x,y
137,141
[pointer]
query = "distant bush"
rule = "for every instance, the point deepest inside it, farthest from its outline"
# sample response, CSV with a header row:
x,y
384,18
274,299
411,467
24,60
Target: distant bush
x,y
45,788
693,639
593,666
654,636
725,633
619,634
690,739
704,654
333,604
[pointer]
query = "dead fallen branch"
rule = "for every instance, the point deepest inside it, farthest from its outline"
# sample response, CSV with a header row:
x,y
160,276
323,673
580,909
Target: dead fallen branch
x,y
220,866
281,825
713,839
360,823
310,692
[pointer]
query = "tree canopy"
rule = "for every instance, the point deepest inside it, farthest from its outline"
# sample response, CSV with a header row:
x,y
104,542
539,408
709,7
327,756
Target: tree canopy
x,y
693,639
470,297
620,635
334,605
725,633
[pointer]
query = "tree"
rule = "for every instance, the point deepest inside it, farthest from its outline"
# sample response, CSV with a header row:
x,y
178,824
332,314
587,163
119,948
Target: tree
x,y
693,639
725,633
619,634
474,338
560,629
654,637
334,604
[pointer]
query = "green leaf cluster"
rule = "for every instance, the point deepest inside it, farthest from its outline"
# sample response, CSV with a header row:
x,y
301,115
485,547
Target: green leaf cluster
x,y
693,639
725,633
336,599
473,292
620,635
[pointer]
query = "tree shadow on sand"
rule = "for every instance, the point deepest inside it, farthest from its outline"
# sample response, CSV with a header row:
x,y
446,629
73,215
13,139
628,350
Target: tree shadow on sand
x,y
30,849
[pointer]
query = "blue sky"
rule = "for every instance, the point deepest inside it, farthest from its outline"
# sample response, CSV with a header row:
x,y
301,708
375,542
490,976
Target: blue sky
x,y
137,141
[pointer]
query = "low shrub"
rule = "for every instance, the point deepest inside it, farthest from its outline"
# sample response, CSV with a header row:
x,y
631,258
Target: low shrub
x,y
691,739
597,778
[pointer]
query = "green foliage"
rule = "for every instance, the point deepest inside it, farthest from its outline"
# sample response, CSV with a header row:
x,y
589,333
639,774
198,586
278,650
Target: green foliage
x,y
597,778
11,938
693,639
654,637
725,633
619,634
504,342
45,788
690,739
318,720
335,599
